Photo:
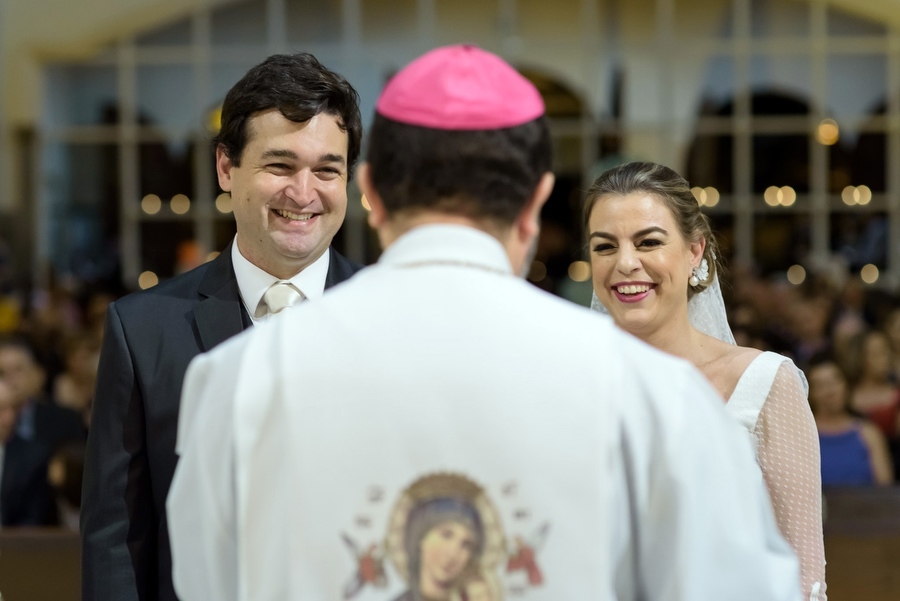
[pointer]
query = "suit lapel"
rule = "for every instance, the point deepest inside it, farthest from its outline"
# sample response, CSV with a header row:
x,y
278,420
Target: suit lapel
x,y
220,313
339,269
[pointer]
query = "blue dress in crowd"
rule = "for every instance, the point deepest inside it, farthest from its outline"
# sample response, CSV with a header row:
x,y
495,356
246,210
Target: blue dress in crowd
x,y
845,459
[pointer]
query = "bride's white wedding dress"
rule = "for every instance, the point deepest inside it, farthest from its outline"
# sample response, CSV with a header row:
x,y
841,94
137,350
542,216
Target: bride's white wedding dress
x,y
770,400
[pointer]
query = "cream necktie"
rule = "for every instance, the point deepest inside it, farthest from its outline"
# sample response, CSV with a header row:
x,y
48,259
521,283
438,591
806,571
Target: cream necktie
x,y
281,295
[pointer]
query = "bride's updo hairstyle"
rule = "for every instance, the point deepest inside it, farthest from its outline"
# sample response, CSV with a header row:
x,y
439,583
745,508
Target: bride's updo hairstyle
x,y
671,188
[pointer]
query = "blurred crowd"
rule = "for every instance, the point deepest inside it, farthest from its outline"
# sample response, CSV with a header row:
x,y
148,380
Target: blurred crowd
x,y
49,350
845,336
842,333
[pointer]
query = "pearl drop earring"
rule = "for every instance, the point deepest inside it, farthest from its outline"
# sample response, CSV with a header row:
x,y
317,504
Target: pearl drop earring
x,y
700,273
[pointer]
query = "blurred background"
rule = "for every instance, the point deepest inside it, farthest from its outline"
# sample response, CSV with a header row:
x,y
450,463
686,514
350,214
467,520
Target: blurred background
x,y
783,114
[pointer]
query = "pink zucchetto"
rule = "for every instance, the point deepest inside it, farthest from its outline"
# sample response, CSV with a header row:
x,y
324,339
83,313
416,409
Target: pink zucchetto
x,y
460,88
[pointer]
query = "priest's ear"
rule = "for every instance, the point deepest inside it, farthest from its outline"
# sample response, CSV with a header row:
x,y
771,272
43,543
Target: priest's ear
x,y
528,223
377,214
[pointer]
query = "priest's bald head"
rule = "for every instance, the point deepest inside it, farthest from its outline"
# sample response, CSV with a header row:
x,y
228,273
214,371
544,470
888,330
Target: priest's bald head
x,y
459,136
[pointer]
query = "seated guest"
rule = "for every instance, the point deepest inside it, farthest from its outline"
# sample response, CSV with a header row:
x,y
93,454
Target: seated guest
x,y
25,498
868,363
873,394
853,450
891,327
39,418
65,473
74,387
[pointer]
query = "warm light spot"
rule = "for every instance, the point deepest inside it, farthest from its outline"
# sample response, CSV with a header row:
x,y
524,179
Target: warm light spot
x,y
796,275
706,197
151,204
828,132
223,202
212,256
214,120
580,271
856,195
538,271
365,203
849,195
147,279
180,204
869,274
787,196
700,194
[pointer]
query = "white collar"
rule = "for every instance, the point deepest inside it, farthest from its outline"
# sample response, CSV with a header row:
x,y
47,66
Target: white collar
x,y
444,244
253,281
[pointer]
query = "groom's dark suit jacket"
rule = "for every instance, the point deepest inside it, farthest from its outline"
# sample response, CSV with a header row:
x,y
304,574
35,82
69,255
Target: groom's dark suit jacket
x,y
150,338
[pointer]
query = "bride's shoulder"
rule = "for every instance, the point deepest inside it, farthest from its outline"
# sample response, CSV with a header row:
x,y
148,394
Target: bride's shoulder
x,y
737,359
743,356
727,364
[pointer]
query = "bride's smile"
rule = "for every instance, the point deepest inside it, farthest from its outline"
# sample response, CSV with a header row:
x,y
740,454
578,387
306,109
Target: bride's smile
x,y
640,261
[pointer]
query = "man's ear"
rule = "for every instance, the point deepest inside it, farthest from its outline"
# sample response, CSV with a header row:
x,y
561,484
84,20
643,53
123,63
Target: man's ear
x,y
223,168
528,224
377,215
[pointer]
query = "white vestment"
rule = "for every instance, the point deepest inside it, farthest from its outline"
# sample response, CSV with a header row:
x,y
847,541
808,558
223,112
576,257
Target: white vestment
x,y
436,411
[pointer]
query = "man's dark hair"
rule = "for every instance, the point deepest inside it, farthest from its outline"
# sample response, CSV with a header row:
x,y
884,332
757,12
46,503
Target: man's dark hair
x,y
480,174
300,88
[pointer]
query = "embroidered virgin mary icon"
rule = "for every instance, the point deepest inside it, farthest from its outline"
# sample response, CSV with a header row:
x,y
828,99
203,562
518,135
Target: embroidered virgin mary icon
x,y
446,540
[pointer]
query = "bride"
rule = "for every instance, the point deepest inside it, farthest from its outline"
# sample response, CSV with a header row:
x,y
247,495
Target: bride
x,y
654,271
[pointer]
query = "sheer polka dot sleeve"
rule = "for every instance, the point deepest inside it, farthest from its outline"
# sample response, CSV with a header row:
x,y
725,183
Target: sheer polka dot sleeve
x,y
788,453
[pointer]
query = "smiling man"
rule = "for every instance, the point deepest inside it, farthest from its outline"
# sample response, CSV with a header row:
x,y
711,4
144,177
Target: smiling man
x,y
290,137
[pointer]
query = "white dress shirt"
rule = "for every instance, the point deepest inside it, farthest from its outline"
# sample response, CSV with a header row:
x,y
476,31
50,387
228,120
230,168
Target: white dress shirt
x,y
253,281
612,463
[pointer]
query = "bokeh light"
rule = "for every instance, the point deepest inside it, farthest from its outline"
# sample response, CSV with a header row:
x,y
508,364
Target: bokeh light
x,y
869,274
788,196
828,132
224,202
580,271
856,195
706,197
784,196
796,274
537,272
148,279
151,204
180,204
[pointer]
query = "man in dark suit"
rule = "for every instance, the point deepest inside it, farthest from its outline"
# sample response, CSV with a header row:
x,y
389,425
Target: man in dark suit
x,y
39,419
290,137
25,495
